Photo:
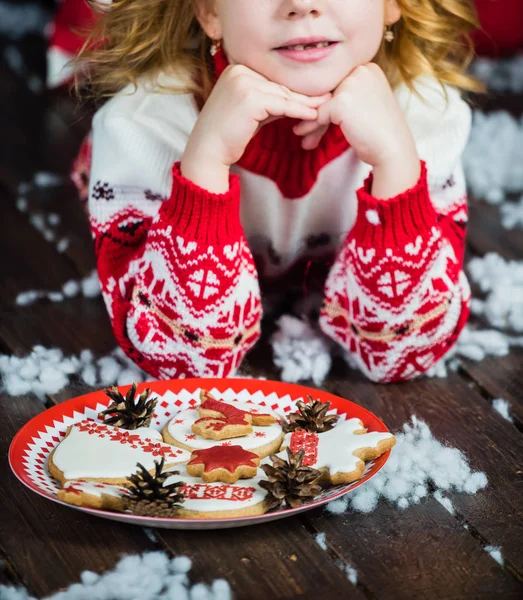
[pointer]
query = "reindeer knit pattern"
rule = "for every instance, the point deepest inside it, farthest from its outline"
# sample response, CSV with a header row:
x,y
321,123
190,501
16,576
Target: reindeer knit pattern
x,y
179,265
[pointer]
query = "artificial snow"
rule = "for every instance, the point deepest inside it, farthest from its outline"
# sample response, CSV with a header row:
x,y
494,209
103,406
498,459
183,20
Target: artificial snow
x,y
47,371
445,502
500,74
17,21
512,214
302,352
502,281
152,576
502,406
495,552
321,541
418,465
349,571
493,158
88,286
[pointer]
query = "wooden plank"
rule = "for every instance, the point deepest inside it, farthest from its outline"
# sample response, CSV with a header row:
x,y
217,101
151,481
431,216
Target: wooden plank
x,y
445,405
485,232
463,419
21,122
50,545
272,560
73,324
500,377
40,133
33,263
420,552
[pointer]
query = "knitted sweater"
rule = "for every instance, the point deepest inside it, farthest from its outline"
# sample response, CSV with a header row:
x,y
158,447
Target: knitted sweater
x,y
181,267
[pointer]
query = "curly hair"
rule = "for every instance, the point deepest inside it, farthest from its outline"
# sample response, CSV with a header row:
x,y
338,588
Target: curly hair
x,y
139,37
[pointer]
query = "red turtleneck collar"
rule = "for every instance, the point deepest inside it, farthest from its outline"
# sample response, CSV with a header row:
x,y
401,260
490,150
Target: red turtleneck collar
x,y
275,151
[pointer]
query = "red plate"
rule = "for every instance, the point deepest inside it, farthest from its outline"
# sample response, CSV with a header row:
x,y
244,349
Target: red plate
x,y
32,445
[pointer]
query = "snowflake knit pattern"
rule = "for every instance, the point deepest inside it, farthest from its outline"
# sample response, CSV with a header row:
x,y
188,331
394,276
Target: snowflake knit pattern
x,y
179,265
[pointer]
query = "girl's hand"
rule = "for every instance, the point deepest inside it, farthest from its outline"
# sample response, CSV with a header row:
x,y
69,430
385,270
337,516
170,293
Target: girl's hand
x,y
241,102
365,108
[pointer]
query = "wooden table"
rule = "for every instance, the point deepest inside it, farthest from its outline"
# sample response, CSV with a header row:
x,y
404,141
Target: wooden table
x,y
421,552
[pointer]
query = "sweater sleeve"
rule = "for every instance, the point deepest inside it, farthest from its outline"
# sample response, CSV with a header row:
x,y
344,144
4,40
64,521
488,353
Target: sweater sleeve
x,y
396,297
177,277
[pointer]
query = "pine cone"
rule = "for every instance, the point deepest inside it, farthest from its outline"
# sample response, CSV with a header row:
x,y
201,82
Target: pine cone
x,y
312,417
148,494
124,412
289,481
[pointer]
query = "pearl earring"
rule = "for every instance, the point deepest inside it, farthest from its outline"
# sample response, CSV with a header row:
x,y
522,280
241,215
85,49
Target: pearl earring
x,y
215,46
389,34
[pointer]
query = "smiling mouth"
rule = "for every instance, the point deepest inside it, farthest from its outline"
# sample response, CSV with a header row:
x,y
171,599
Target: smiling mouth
x,y
307,46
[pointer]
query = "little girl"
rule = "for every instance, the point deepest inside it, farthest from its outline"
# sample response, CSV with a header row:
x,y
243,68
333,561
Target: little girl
x,y
248,139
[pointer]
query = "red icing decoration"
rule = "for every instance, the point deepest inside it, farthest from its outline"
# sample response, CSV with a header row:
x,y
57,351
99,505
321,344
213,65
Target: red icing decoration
x,y
305,440
127,437
259,434
230,414
203,491
223,457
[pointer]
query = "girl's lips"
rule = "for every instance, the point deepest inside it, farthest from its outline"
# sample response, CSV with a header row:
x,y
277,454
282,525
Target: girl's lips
x,y
310,55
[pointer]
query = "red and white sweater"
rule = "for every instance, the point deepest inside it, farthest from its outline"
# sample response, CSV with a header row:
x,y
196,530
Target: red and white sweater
x,y
181,267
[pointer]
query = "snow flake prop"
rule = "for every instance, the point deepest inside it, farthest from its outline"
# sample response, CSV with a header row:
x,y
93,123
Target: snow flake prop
x,y
502,281
417,464
88,287
152,576
300,351
504,75
47,371
493,158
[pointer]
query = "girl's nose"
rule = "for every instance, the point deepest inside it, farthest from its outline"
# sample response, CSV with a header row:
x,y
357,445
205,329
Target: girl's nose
x,y
300,8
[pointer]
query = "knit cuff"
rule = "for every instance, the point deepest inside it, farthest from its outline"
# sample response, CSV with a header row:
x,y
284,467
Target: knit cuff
x,y
201,215
394,221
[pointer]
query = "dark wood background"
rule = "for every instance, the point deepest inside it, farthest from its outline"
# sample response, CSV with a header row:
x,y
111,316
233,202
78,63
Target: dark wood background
x,y
420,552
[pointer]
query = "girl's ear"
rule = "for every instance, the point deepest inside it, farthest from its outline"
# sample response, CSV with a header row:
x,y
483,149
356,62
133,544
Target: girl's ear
x,y
205,12
392,12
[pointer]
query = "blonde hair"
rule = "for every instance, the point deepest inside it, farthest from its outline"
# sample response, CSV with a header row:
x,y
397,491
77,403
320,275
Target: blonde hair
x,y
143,37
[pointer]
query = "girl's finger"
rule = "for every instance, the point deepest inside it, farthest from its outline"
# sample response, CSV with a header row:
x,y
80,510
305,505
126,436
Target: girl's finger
x,y
280,90
312,140
271,105
324,114
306,127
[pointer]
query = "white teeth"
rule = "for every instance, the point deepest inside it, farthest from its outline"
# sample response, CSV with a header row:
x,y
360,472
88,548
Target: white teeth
x,y
302,46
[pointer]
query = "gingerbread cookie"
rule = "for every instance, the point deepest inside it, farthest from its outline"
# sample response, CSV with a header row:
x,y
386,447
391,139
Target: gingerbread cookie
x,y
223,463
95,451
339,454
200,500
262,441
245,498
93,494
220,420
210,407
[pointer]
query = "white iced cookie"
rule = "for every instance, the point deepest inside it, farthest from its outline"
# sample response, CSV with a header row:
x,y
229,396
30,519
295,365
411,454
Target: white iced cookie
x,y
93,494
263,440
340,453
95,451
245,498
201,500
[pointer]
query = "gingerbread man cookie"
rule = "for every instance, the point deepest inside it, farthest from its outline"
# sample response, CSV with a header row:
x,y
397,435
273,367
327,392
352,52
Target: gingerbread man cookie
x,y
96,451
339,454
223,463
